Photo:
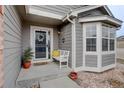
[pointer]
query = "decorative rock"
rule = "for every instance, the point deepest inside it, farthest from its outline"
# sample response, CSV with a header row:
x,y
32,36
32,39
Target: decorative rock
x,y
101,80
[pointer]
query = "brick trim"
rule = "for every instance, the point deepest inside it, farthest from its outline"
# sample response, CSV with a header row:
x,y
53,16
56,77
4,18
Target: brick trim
x,y
1,47
1,9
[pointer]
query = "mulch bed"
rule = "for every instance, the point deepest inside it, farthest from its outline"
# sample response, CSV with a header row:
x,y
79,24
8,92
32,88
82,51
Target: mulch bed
x,y
116,83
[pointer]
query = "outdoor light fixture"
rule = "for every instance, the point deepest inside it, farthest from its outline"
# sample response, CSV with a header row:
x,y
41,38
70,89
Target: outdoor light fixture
x,y
59,32
63,40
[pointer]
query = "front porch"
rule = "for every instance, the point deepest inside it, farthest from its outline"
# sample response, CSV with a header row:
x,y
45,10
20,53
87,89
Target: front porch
x,y
37,74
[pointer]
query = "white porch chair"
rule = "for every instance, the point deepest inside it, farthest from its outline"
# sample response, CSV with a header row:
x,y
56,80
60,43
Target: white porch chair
x,y
62,58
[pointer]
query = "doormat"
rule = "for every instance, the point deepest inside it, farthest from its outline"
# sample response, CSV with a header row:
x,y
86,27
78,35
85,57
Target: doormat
x,y
40,63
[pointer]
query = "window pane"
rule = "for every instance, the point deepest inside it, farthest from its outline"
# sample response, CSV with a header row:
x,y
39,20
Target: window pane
x,y
104,44
112,33
104,31
91,31
40,44
91,44
112,44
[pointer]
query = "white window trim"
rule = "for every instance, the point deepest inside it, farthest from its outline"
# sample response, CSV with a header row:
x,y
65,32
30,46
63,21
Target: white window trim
x,y
32,28
92,52
97,52
109,51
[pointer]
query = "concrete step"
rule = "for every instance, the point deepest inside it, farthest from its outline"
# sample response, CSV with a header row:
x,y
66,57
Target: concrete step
x,y
63,82
30,82
34,75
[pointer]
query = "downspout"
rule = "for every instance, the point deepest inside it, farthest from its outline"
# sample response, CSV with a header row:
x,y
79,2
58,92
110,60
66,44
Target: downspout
x,y
73,40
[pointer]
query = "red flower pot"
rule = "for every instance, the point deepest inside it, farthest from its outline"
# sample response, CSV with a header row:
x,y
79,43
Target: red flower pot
x,y
73,75
27,64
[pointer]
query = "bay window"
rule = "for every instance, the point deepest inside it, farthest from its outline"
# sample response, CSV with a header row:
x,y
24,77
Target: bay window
x,y
91,44
112,43
112,39
108,38
99,40
91,37
104,44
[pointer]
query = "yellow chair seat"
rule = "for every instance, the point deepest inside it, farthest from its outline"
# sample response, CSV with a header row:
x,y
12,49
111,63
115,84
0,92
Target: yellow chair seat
x,y
56,53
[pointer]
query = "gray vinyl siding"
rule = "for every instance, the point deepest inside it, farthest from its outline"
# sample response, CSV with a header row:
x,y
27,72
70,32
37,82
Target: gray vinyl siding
x,y
26,36
56,9
55,39
12,46
79,44
94,12
66,33
91,60
108,59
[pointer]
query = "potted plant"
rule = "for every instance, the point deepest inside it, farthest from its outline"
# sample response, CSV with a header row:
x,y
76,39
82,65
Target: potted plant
x,y
73,75
27,56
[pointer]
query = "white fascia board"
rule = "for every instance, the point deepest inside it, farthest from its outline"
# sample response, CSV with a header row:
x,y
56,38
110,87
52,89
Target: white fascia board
x,y
30,10
87,8
108,10
27,9
101,18
83,9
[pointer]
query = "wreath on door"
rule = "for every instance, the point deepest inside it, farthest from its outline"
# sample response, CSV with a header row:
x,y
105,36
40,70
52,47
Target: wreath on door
x,y
40,37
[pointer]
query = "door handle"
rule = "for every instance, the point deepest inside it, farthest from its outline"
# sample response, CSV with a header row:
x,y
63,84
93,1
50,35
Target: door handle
x,y
46,45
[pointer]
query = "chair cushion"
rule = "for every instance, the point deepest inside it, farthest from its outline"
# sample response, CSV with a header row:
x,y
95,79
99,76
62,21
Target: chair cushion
x,y
56,53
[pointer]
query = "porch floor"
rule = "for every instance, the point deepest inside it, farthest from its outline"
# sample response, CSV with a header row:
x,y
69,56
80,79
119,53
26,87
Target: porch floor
x,y
63,82
42,73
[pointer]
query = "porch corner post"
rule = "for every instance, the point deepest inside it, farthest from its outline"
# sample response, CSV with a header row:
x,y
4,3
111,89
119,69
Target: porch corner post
x,y
1,46
99,45
73,44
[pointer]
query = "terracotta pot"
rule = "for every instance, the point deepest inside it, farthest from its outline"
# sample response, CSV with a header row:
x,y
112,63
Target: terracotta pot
x,y
73,75
27,64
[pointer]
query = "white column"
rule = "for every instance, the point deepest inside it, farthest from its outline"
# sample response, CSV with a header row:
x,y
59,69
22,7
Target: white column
x,y
99,45
73,44
115,48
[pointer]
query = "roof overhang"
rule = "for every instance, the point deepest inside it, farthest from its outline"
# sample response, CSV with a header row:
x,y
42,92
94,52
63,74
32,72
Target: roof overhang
x,y
33,14
87,8
75,12
84,9
105,18
30,10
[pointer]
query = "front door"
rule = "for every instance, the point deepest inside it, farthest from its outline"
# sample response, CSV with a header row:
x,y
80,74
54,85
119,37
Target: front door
x,y
41,44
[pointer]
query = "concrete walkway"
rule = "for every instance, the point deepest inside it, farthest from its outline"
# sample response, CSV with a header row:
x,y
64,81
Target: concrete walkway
x,y
63,82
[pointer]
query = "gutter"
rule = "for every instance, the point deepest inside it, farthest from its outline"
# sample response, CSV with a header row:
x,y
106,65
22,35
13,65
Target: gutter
x,y
78,10
67,17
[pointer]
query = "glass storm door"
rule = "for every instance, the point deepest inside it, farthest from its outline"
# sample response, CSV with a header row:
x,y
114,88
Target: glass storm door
x,y
41,45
